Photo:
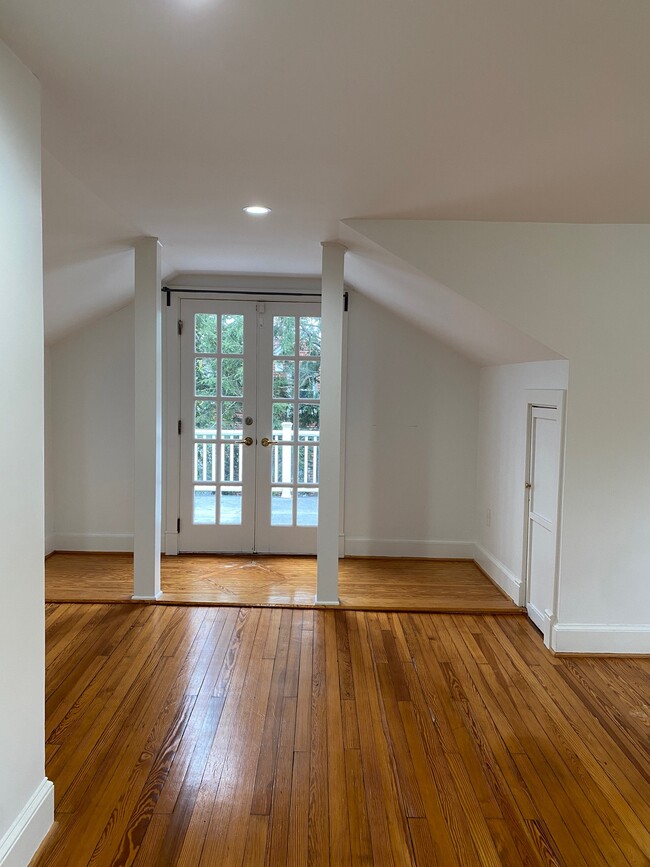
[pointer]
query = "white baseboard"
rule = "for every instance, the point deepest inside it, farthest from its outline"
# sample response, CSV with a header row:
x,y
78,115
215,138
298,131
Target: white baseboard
x,y
600,638
500,574
356,546
28,830
93,542
50,544
318,601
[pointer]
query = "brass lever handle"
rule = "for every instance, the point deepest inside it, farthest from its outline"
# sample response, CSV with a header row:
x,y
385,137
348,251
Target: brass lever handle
x,y
247,441
267,442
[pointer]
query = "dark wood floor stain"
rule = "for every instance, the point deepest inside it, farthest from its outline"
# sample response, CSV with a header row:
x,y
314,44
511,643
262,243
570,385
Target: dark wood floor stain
x,y
250,736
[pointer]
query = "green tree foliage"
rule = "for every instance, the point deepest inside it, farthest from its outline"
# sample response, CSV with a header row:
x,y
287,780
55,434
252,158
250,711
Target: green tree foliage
x,y
308,344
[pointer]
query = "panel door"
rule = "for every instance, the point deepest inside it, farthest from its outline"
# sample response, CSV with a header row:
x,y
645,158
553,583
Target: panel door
x,y
543,494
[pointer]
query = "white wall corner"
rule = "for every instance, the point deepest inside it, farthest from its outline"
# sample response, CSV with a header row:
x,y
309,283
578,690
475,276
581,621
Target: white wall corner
x,y
601,638
50,544
357,546
500,574
28,830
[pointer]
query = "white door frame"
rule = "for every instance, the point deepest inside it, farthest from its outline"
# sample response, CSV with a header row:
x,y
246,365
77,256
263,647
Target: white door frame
x,y
265,290
551,399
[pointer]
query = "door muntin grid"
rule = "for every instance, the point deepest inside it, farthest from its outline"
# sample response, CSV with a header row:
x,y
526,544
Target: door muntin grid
x,y
218,412
295,419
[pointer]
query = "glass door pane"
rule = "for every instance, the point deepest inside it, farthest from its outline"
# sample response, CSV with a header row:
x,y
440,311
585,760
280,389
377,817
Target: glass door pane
x,y
218,410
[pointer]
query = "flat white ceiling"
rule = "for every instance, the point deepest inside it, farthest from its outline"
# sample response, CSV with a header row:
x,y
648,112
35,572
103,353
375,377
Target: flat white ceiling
x,y
174,114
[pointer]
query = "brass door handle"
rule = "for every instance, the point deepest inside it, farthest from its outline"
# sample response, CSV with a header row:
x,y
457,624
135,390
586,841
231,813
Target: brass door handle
x,y
267,442
247,441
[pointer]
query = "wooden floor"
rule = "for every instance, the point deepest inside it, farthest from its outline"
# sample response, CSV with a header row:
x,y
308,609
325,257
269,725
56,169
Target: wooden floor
x,y
378,584
210,737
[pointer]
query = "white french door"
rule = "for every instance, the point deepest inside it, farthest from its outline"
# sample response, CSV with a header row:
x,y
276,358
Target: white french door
x,y
249,427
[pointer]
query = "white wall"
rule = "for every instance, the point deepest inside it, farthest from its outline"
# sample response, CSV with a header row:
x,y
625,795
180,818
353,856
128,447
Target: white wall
x,y
412,413
92,406
26,797
411,438
49,454
502,442
582,290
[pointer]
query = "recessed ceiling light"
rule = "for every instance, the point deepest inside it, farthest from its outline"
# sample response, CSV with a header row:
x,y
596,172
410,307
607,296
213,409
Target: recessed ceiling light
x,y
257,210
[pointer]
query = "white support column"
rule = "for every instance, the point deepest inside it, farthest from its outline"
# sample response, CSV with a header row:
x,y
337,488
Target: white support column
x,y
148,420
327,548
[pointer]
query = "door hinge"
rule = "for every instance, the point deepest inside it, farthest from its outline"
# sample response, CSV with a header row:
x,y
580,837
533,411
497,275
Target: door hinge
x,y
178,525
346,297
180,427
180,326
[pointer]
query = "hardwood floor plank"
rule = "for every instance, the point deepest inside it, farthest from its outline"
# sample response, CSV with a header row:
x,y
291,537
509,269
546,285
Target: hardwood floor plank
x,y
360,832
226,840
305,674
267,759
318,825
278,839
338,815
369,583
628,792
239,736
373,789
298,842
394,810
256,834
190,759
229,688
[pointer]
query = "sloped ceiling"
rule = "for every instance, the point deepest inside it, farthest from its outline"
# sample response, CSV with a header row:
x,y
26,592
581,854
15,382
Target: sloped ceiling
x,y
174,114
87,253
432,306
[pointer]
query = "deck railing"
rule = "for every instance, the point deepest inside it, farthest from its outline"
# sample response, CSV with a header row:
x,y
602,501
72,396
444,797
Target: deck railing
x,y
230,456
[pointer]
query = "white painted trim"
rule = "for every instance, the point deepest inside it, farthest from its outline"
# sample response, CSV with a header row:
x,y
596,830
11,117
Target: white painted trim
x,y
344,415
171,543
318,601
147,598
542,620
50,544
29,828
555,399
171,414
269,288
329,497
600,638
93,542
262,283
147,474
510,583
357,546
